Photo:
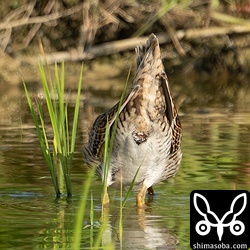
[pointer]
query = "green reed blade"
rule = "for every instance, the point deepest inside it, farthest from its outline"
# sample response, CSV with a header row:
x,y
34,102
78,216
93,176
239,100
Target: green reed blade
x,y
108,147
51,109
91,219
65,163
109,139
106,157
59,90
76,238
131,186
104,227
67,139
61,108
121,217
40,112
76,112
43,141
59,160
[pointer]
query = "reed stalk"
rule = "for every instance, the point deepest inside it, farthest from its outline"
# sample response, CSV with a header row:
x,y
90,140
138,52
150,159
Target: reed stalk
x,y
97,242
58,152
76,238
109,139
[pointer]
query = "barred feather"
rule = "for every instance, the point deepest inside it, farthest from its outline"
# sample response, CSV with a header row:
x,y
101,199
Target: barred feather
x,y
148,134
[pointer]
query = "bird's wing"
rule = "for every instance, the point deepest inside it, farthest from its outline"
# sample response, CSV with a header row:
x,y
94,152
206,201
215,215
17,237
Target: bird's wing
x,y
171,114
97,133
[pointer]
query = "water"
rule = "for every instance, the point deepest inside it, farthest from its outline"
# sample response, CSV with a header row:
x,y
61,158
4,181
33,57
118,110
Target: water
x,y
216,155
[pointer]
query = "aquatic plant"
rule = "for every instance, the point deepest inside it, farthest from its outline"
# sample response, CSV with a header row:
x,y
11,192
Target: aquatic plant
x,y
97,241
58,152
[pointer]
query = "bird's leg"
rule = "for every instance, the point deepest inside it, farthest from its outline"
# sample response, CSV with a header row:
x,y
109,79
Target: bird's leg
x,y
140,199
151,191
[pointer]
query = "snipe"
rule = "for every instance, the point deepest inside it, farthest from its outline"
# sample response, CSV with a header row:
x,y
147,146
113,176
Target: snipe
x,y
148,133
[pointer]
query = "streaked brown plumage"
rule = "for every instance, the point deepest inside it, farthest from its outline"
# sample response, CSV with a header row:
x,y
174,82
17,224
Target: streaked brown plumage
x,y
148,133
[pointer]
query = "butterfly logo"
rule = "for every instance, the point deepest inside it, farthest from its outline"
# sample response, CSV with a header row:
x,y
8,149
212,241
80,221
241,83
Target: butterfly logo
x,y
203,227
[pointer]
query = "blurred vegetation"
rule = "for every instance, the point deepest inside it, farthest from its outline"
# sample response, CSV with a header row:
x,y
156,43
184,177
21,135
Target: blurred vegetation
x,y
80,24
212,34
58,153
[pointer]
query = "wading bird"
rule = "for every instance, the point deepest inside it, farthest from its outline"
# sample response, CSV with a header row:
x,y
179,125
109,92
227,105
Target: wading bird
x,y
147,132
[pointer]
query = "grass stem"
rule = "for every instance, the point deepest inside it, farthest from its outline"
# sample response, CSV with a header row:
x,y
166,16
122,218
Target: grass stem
x,y
58,153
